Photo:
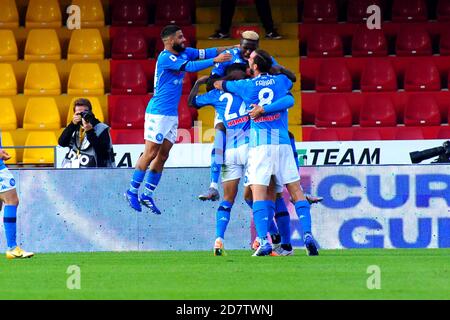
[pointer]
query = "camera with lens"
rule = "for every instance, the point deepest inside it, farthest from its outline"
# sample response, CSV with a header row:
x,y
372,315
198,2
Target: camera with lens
x,y
87,116
443,154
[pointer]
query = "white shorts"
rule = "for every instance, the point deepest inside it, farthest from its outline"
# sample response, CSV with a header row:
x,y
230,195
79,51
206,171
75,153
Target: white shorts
x,y
7,181
217,120
271,160
235,163
158,127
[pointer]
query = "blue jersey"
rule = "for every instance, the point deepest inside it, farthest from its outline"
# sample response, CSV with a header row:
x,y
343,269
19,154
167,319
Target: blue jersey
x,y
220,69
232,111
270,128
168,82
2,164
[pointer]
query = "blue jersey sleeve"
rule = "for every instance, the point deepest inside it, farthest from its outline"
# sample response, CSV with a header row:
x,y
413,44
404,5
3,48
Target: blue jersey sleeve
x,y
206,99
286,81
196,54
280,105
238,87
274,62
172,62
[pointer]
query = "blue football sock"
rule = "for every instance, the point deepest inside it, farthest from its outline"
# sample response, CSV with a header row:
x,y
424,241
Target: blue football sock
x,y
272,226
9,221
152,182
283,221
136,180
217,157
261,211
222,218
302,208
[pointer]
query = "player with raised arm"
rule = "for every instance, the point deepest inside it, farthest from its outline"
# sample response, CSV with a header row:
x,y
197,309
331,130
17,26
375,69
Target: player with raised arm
x,y
270,154
161,118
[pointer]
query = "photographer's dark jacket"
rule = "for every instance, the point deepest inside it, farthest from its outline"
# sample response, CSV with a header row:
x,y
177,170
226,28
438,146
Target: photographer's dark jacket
x,y
95,150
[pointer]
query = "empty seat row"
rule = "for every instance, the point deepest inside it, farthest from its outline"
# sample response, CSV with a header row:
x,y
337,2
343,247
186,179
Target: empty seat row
x,y
43,79
85,44
326,11
410,41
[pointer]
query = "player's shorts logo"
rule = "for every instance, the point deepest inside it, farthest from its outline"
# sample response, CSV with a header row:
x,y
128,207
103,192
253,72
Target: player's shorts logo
x,y
159,137
12,182
245,179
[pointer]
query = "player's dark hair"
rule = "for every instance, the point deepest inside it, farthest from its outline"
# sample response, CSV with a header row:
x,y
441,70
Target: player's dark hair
x,y
263,59
82,102
169,30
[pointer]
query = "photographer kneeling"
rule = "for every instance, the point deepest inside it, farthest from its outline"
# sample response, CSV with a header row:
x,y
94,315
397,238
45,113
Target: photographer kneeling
x,y
88,139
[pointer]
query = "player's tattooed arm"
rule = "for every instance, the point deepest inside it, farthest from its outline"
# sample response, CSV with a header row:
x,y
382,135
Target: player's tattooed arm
x,y
280,69
195,89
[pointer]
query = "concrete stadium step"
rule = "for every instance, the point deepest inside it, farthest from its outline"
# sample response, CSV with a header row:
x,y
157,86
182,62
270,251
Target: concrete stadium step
x,y
247,14
287,30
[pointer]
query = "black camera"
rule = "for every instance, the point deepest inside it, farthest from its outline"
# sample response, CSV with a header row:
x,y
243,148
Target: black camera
x,y
87,116
443,154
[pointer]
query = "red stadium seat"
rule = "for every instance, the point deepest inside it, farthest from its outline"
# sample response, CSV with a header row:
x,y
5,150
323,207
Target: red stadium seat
x,y
423,76
333,76
409,133
129,13
130,136
173,12
409,10
444,45
357,9
379,75
325,44
324,135
333,111
413,41
128,112
320,11
129,78
129,44
369,42
443,10
378,110
444,132
422,110
184,114
362,134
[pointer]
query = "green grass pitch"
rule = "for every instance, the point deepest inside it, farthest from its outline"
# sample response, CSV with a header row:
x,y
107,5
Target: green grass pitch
x,y
335,274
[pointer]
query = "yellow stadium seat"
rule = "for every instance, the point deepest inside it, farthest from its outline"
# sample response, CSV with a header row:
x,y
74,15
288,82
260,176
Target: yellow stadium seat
x,y
85,79
96,109
40,155
41,113
8,46
43,14
207,115
36,49
7,141
9,16
8,83
8,119
92,14
42,79
86,44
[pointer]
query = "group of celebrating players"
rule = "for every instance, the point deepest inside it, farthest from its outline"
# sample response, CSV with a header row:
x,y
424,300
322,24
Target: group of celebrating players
x,y
251,95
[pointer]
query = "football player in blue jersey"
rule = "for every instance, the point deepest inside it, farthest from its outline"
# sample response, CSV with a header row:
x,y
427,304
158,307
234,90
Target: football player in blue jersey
x,y
161,118
8,196
270,153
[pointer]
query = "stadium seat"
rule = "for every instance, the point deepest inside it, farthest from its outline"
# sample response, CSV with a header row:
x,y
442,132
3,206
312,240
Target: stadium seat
x,y
422,110
443,10
9,16
96,109
363,134
409,133
8,83
130,13
378,75
86,44
41,113
42,79
173,12
333,111
325,44
43,14
324,135
444,44
413,41
85,79
8,46
333,76
184,114
128,112
132,136
423,76
129,44
357,9
40,155
409,10
378,110
369,42
92,14
7,141
42,44
8,120
320,11
444,132
129,78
